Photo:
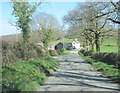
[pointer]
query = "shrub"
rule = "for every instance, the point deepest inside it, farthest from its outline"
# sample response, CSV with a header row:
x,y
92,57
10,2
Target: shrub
x,y
69,48
18,52
53,52
86,53
109,58
82,51
45,51
40,51
60,51
5,46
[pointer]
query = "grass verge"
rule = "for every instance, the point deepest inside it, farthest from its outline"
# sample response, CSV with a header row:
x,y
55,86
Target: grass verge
x,y
27,76
109,71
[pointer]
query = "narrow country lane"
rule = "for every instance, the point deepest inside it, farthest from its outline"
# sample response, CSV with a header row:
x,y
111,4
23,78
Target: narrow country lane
x,y
75,74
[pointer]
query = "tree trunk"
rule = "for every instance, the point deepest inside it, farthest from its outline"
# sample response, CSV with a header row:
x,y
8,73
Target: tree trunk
x,y
86,45
92,46
25,36
97,42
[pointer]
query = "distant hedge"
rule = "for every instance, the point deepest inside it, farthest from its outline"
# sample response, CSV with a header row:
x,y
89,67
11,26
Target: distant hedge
x,y
109,58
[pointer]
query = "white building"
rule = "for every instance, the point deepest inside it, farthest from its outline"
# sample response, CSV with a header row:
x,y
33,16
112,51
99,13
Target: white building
x,y
76,44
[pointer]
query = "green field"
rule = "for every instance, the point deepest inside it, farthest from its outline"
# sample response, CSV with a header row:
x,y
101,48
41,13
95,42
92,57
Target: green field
x,y
110,41
108,45
66,40
107,49
103,48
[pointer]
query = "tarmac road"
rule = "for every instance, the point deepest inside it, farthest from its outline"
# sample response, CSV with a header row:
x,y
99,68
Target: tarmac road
x,y
75,74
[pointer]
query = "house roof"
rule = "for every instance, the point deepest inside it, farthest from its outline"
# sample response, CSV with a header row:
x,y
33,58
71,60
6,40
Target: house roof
x,y
65,44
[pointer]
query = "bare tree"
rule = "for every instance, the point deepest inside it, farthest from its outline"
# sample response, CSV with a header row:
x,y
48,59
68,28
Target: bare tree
x,y
113,9
46,26
85,18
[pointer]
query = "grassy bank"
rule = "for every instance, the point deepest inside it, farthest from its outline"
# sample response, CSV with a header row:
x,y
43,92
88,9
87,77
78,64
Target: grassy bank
x,y
27,75
109,71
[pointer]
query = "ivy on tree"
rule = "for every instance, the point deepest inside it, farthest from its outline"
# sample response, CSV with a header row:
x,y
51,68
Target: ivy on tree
x,y
23,12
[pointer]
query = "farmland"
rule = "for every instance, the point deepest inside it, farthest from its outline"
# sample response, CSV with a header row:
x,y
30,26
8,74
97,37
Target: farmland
x,y
108,45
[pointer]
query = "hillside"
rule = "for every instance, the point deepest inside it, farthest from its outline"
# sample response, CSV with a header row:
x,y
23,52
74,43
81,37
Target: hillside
x,y
34,37
11,38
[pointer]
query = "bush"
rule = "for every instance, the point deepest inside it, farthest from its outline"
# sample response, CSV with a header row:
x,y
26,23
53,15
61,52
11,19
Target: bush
x,y
82,51
40,51
18,52
53,52
109,58
69,48
60,51
27,75
86,53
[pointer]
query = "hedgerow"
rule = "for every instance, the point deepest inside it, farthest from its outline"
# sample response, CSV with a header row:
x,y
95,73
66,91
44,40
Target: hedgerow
x,y
110,71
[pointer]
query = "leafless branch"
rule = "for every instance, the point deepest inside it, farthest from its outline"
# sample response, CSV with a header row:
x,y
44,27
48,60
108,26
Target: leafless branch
x,y
114,21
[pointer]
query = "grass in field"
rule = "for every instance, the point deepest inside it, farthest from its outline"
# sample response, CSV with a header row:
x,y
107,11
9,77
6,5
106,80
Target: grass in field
x,y
66,40
27,75
106,49
110,41
108,70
